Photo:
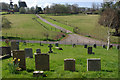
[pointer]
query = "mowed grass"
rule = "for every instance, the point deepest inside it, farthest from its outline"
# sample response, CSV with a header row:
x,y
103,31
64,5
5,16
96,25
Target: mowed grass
x,y
109,62
25,27
88,25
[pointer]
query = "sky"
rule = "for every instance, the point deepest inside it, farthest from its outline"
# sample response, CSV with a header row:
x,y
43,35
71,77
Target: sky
x,y
44,3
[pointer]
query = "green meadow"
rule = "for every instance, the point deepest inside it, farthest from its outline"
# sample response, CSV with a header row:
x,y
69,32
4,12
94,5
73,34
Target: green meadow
x,y
109,62
26,27
88,25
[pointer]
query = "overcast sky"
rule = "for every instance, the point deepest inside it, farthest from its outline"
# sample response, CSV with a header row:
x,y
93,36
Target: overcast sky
x,y
43,3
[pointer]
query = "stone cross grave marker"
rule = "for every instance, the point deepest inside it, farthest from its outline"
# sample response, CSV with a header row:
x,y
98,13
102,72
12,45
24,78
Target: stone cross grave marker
x,y
93,64
89,50
38,51
69,64
85,46
56,44
20,54
14,45
6,51
42,62
28,52
50,48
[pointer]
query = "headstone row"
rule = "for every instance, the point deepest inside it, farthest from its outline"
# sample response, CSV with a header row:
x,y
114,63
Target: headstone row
x,y
42,62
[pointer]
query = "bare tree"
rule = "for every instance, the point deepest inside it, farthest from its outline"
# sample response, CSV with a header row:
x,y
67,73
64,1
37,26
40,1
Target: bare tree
x,y
110,18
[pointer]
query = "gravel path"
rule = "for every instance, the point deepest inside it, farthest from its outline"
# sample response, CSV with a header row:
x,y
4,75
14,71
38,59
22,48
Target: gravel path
x,y
73,38
58,27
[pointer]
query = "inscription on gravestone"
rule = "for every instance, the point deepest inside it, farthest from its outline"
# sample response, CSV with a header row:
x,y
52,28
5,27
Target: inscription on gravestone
x,y
93,64
28,52
42,62
69,64
20,54
89,50
14,45
6,51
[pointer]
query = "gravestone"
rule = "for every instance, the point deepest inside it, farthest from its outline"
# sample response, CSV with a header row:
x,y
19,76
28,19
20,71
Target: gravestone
x,y
69,64
93,64
56,44
89,50
94,45
74,45
118,47
111,46
5,51
85,46
104,46
14,45
38,50
50,48
42,62
20,54
41,44
24,43
28,52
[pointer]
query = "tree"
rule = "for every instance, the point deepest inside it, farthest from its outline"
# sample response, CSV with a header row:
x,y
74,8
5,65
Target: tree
x,y
32,10
16,9
110,18
22,10
5,23
4,6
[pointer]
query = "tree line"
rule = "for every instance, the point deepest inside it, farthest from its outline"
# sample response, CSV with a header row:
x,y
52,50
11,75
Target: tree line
x,y
62,8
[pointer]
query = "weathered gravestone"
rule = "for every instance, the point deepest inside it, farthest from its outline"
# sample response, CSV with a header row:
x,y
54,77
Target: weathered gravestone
x,y
42,62
93,64
50,48
28,52
103,46
94,45
85,46
41,44
20,54
69,64
118,46
24,43
38,51
56,44
5,51
89,50
14,45
74,45
111,46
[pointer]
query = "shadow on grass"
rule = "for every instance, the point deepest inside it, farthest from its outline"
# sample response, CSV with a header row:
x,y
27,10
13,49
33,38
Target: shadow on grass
x,y
107,70
30,70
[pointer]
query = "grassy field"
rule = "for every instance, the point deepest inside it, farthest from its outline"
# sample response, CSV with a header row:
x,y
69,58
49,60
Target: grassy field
x,y
88,25
109,62
24,26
